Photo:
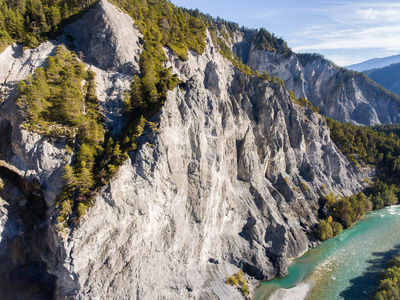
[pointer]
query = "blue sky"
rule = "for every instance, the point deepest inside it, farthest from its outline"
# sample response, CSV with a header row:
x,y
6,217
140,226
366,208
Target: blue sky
x,y
346,32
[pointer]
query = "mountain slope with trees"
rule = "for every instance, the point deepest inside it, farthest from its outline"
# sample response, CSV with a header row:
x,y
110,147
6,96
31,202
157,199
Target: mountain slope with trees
x,y
32,21
388,77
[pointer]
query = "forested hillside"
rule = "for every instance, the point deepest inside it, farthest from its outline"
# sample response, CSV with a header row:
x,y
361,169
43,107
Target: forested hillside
x,y
374,146
370,146
388,285
388,77
32,21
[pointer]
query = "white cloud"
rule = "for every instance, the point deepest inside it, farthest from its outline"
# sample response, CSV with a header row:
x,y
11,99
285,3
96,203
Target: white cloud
x,y
374,37
351,25
375,15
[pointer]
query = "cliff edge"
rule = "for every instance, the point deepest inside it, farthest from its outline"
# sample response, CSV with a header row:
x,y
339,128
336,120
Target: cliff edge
x,y
229,179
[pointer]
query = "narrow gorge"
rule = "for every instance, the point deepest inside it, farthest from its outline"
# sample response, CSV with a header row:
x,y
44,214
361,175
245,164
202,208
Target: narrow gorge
x,y
227,175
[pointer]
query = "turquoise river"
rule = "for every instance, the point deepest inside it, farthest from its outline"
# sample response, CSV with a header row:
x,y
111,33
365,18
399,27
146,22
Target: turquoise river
x,y
345,267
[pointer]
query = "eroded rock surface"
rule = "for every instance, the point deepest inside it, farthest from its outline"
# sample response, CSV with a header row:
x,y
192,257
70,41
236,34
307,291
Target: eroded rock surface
x,y
338,94
230,179
108,41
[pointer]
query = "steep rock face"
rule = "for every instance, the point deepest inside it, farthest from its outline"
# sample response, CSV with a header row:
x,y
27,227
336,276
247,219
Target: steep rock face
x,y
23,273
339,96
230,180
31,242
241,44
27,251
108,41
107,38
28,151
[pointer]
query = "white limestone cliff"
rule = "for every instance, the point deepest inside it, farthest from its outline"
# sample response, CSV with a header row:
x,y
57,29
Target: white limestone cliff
x,y
341,95
230,180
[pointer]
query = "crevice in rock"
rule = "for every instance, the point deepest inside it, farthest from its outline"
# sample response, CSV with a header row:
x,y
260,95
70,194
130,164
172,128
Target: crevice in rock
x,y
23,246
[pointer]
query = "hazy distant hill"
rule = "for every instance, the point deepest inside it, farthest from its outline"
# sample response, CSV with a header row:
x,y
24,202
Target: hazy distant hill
x,y
375,63
388,77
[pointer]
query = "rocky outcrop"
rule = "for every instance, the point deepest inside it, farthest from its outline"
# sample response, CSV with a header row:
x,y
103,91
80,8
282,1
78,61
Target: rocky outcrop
x,y
340,94
230,179
108,41
23,273
32,180
106,38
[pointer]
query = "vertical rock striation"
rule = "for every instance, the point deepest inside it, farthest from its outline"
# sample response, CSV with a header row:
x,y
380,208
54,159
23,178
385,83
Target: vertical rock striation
x,y
340,94
229,180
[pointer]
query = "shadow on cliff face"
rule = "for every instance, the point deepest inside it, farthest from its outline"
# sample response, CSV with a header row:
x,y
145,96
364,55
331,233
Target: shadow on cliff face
x,y
23,273
363,287
5,137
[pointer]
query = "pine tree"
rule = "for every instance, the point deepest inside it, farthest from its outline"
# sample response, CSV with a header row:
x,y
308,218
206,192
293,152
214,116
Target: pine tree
x,y
85,178
136,97
68,175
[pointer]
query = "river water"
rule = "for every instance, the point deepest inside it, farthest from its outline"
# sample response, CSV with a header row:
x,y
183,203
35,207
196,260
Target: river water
x,y
345,267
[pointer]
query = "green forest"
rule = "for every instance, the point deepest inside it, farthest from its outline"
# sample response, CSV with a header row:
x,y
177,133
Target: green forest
x,y
389,283
343,213
371,146
32,21
60,102
388,77
264,40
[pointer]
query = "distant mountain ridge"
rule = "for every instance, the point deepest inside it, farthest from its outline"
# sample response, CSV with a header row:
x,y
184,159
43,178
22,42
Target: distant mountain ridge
x,y
388,77
375,63
341,94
